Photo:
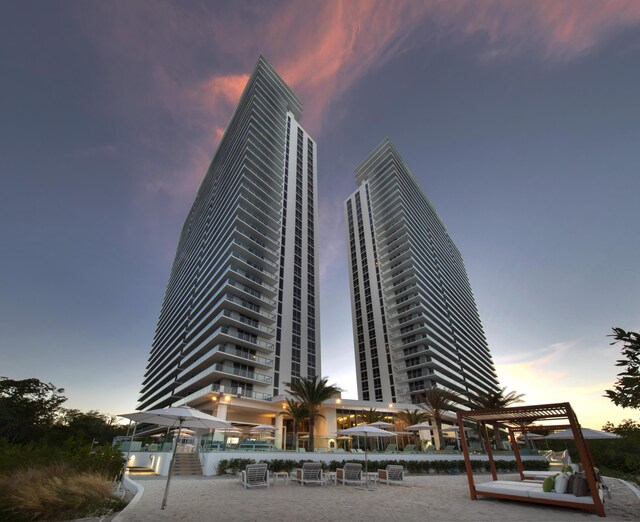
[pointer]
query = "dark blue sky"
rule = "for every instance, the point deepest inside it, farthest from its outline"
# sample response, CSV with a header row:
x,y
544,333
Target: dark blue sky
x,y
521,121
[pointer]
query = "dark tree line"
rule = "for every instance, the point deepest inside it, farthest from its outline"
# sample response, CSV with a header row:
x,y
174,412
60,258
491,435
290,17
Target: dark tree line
x,y
31,411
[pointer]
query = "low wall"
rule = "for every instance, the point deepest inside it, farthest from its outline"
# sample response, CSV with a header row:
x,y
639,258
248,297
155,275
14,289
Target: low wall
x,y
156,460
159,461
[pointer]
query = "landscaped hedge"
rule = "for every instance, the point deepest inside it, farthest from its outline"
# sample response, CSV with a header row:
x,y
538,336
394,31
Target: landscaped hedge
x,y
412,466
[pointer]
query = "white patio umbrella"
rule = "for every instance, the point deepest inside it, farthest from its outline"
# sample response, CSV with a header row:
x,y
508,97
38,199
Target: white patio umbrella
x,y
422,426
261,429
365,430
184,417
382,424
587,433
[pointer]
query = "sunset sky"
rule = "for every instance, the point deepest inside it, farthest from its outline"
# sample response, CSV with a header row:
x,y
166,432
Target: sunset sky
x,y
520,120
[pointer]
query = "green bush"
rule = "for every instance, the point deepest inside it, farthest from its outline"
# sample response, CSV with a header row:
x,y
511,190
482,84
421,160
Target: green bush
x,y
233,466
73,453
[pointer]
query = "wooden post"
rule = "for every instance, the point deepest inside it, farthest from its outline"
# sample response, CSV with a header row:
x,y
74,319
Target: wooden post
x,y
467,459
516,453
487,441
587,461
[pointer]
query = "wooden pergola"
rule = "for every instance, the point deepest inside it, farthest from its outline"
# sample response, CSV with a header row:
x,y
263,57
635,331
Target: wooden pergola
x,y
521,419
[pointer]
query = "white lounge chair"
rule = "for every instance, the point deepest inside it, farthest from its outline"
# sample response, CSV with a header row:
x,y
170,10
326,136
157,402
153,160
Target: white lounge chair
x,y
310,473
255,476
350,474
393,474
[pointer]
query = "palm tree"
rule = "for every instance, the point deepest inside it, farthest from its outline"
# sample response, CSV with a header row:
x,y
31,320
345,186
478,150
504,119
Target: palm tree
x,y
371,415
495,400
312,392
436,402
410,417
298,413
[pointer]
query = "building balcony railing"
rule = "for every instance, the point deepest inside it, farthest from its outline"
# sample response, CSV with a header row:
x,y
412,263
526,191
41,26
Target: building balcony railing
x,y
225,370
264,287
255,252
221,389
227,350
249,339
248,322
249,306
251,292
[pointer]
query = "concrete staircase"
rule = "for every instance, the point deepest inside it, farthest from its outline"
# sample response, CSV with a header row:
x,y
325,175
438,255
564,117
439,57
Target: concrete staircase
x,y
140,471
187,464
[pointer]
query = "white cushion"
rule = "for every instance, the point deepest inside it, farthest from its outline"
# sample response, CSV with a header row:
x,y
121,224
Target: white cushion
x,y
561,483
562,498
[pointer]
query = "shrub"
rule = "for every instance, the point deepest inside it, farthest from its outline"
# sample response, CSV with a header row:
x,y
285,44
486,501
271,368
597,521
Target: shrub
x,y
73,453
55,492
232,466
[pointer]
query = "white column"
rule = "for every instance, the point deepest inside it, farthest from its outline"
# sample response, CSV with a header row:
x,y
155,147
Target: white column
x,y
279,443
221,413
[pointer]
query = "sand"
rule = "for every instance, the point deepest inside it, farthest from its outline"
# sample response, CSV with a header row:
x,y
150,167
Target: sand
x,y
422,497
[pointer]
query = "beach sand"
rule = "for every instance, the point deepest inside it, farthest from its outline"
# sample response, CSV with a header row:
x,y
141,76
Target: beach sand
x,y
422,497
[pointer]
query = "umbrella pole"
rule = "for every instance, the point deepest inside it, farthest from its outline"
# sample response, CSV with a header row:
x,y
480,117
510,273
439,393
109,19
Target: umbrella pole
x,y
173,458
366,466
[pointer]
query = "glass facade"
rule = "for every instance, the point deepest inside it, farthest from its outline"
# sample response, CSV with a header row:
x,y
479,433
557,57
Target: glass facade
x,y
415,321
240,308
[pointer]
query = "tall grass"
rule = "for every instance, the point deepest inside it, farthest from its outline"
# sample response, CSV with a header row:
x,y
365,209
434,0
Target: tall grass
x,y
55,492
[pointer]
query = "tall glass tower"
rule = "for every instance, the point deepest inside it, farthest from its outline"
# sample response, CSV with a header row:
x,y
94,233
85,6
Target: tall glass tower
x,y
415,320
240,313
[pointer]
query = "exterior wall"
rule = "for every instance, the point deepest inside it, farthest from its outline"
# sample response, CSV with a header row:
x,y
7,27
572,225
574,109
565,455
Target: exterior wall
x,y
240,312
421,324
210,460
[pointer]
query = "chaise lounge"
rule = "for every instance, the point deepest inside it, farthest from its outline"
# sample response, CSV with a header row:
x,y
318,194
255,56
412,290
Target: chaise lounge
x,y
255,476
310,473
350,474
393,474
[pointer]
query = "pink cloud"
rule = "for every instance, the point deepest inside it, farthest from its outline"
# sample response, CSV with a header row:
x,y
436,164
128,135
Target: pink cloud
x,y
154,55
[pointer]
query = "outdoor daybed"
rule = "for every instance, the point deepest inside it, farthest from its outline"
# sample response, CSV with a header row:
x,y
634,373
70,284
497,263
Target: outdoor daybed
x,y
521,419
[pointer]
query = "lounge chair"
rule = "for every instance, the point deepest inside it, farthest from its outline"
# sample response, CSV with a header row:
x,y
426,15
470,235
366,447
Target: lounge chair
x,y
350,474
391,448
310,473
255,475
393,474
409,448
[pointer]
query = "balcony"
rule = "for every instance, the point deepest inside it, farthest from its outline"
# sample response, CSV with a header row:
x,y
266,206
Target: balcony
x,y
224,370
248,323
223,352
243,306
221,389
233,335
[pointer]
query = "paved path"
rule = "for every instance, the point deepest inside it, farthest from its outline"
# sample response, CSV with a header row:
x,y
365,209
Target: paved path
x,y
429,497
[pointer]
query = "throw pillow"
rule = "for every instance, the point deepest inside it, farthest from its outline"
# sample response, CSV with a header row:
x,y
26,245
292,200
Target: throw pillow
x,y
561,483
580,486
548,484
570,482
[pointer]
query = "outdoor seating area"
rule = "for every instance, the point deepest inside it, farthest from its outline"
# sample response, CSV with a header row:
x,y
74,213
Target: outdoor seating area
x,y
553,489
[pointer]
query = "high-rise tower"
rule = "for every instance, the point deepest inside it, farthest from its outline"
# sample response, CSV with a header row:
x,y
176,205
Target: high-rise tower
x,y
415,321
240,313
